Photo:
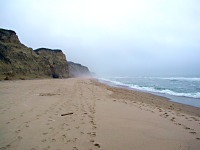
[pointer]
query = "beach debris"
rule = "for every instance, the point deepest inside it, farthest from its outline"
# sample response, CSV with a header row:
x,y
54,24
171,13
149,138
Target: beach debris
x,y
97,145
67,114
49,94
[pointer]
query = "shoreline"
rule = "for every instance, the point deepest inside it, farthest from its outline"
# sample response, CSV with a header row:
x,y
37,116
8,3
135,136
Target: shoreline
x,y
194,102
82,114
167,102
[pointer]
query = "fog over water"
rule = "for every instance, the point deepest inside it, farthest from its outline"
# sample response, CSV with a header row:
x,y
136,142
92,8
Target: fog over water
x,y
113,37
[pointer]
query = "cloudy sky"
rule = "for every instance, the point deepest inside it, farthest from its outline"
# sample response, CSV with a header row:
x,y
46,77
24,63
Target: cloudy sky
x,y
113,37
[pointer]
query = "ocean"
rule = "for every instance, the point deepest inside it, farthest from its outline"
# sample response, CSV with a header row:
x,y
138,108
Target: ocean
x,y
183,90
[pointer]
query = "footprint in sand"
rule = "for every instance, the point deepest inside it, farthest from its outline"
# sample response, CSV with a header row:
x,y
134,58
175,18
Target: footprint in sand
x,y
4,148
82,133
50,128
68,141
13,119
93,134
8,145
53,140
44,140
195,119
19,137
46,148
187,128
64,136
173,118
75,148
92,122
165,115
94,127
17,131
45,133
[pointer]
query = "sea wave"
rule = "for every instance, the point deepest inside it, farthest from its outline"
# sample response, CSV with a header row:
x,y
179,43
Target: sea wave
x,y
166,91
153,89
180,78
114,82
163,78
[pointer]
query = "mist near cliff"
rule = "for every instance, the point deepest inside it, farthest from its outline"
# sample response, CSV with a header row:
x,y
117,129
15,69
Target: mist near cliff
x,y
113,37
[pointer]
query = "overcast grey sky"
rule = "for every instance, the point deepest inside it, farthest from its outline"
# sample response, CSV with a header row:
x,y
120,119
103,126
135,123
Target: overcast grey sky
x,y
112,37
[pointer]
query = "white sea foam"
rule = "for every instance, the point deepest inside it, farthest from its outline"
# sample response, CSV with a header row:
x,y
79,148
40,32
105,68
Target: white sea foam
x,y
167,91
152,89
114,82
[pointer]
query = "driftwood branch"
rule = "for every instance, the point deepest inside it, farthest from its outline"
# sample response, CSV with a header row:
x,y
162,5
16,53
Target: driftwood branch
x,y
66,114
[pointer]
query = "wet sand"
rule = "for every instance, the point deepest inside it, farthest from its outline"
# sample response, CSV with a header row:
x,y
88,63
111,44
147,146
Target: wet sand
x,y
82,114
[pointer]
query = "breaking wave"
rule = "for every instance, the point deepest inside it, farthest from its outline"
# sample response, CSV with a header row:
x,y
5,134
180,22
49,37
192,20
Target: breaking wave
x,y
158,90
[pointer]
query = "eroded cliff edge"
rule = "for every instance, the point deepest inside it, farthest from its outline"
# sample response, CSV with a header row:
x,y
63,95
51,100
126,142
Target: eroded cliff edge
x,y
18,61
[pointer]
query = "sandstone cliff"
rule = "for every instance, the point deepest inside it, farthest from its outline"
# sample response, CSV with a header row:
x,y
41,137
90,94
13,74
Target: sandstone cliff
x,y
54,62
77,70
18,61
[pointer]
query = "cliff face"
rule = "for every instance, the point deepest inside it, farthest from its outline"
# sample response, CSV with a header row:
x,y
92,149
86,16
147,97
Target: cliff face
x,y
8,36
18,61
77,70
54,60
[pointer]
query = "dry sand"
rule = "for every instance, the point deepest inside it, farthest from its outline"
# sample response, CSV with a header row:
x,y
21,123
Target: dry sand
x,y
100,117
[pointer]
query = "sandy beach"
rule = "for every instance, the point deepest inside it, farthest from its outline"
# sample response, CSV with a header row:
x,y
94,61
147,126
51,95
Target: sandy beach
x,y
82,114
